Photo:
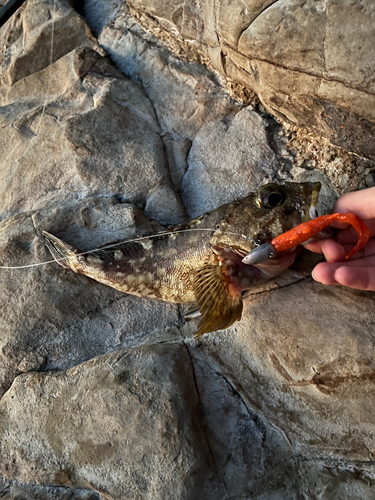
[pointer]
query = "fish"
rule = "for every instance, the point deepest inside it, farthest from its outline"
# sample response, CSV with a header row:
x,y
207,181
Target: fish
x,y
200,262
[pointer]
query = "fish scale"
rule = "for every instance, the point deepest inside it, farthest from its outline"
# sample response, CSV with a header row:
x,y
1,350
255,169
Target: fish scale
x,y
200,262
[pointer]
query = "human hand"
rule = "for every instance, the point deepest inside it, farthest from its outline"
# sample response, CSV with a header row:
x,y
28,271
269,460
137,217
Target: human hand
x,y
359,271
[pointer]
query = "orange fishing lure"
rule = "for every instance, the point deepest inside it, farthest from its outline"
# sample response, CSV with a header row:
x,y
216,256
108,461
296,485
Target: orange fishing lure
x,y
306,230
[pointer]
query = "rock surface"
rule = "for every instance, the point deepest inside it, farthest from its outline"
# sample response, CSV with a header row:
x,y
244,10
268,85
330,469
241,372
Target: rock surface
x,y
148,444
108,396
310,62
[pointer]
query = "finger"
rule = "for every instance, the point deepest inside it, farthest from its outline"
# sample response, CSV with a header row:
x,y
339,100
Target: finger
x,y
324,273
315,246
344,237
361,203
364,262
333,252
361,278
358,274
367,251
349,235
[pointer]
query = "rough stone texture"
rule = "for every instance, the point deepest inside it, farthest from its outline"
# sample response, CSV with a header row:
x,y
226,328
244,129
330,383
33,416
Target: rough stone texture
x,y
82,93
107,396
14,490
311,63
139,425
185,95
243,143
305,367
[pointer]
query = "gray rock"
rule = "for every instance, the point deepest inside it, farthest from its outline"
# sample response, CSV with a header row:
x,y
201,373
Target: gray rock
x,y
61,323
177,153
227,160
99,14
370,179
310,63
125,424
129,424
311,376
28,55
92,155
254,457
185,95
125,158
14,490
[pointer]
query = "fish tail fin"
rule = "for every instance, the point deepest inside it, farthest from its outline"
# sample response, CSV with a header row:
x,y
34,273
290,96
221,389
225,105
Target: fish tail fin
x,y
64,254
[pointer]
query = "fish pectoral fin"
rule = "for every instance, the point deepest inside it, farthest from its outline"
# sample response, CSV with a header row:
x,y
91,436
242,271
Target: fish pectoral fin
x,y
192,313
219,303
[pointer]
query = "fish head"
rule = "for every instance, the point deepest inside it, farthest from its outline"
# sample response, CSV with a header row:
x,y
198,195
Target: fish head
x,y
290,198
302,202
252,222
268,212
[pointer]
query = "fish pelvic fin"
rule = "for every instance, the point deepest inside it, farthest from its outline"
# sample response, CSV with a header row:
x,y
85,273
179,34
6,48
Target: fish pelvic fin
x,y
219,304
64,254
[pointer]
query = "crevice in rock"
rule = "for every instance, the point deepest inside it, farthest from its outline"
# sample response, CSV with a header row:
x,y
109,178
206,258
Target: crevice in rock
x,y
253,416
163,133
259,421
168,168
218,471
78,6
186,168
261,292
178,46
259,14
273,129
342,82
120,347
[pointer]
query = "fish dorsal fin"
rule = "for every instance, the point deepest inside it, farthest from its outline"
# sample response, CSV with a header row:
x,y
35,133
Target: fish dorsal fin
x,y
220,306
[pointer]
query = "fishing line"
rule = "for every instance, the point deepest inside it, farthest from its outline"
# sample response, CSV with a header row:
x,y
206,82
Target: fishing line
x,y
28,266
46,100
7,11
112,245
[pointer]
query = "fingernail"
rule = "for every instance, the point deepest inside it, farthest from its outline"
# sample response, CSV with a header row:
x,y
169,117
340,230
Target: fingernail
x,y
312,275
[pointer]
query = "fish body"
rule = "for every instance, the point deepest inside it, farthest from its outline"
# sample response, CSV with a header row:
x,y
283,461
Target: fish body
x,y
200,262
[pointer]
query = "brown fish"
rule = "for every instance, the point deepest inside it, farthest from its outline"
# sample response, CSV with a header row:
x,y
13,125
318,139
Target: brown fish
x,y
201,262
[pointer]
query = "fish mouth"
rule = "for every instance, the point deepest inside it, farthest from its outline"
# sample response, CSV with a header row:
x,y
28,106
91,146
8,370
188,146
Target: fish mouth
x,y
310,211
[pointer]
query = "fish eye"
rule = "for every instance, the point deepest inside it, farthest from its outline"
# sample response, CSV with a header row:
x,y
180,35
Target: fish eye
x,y
272,199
